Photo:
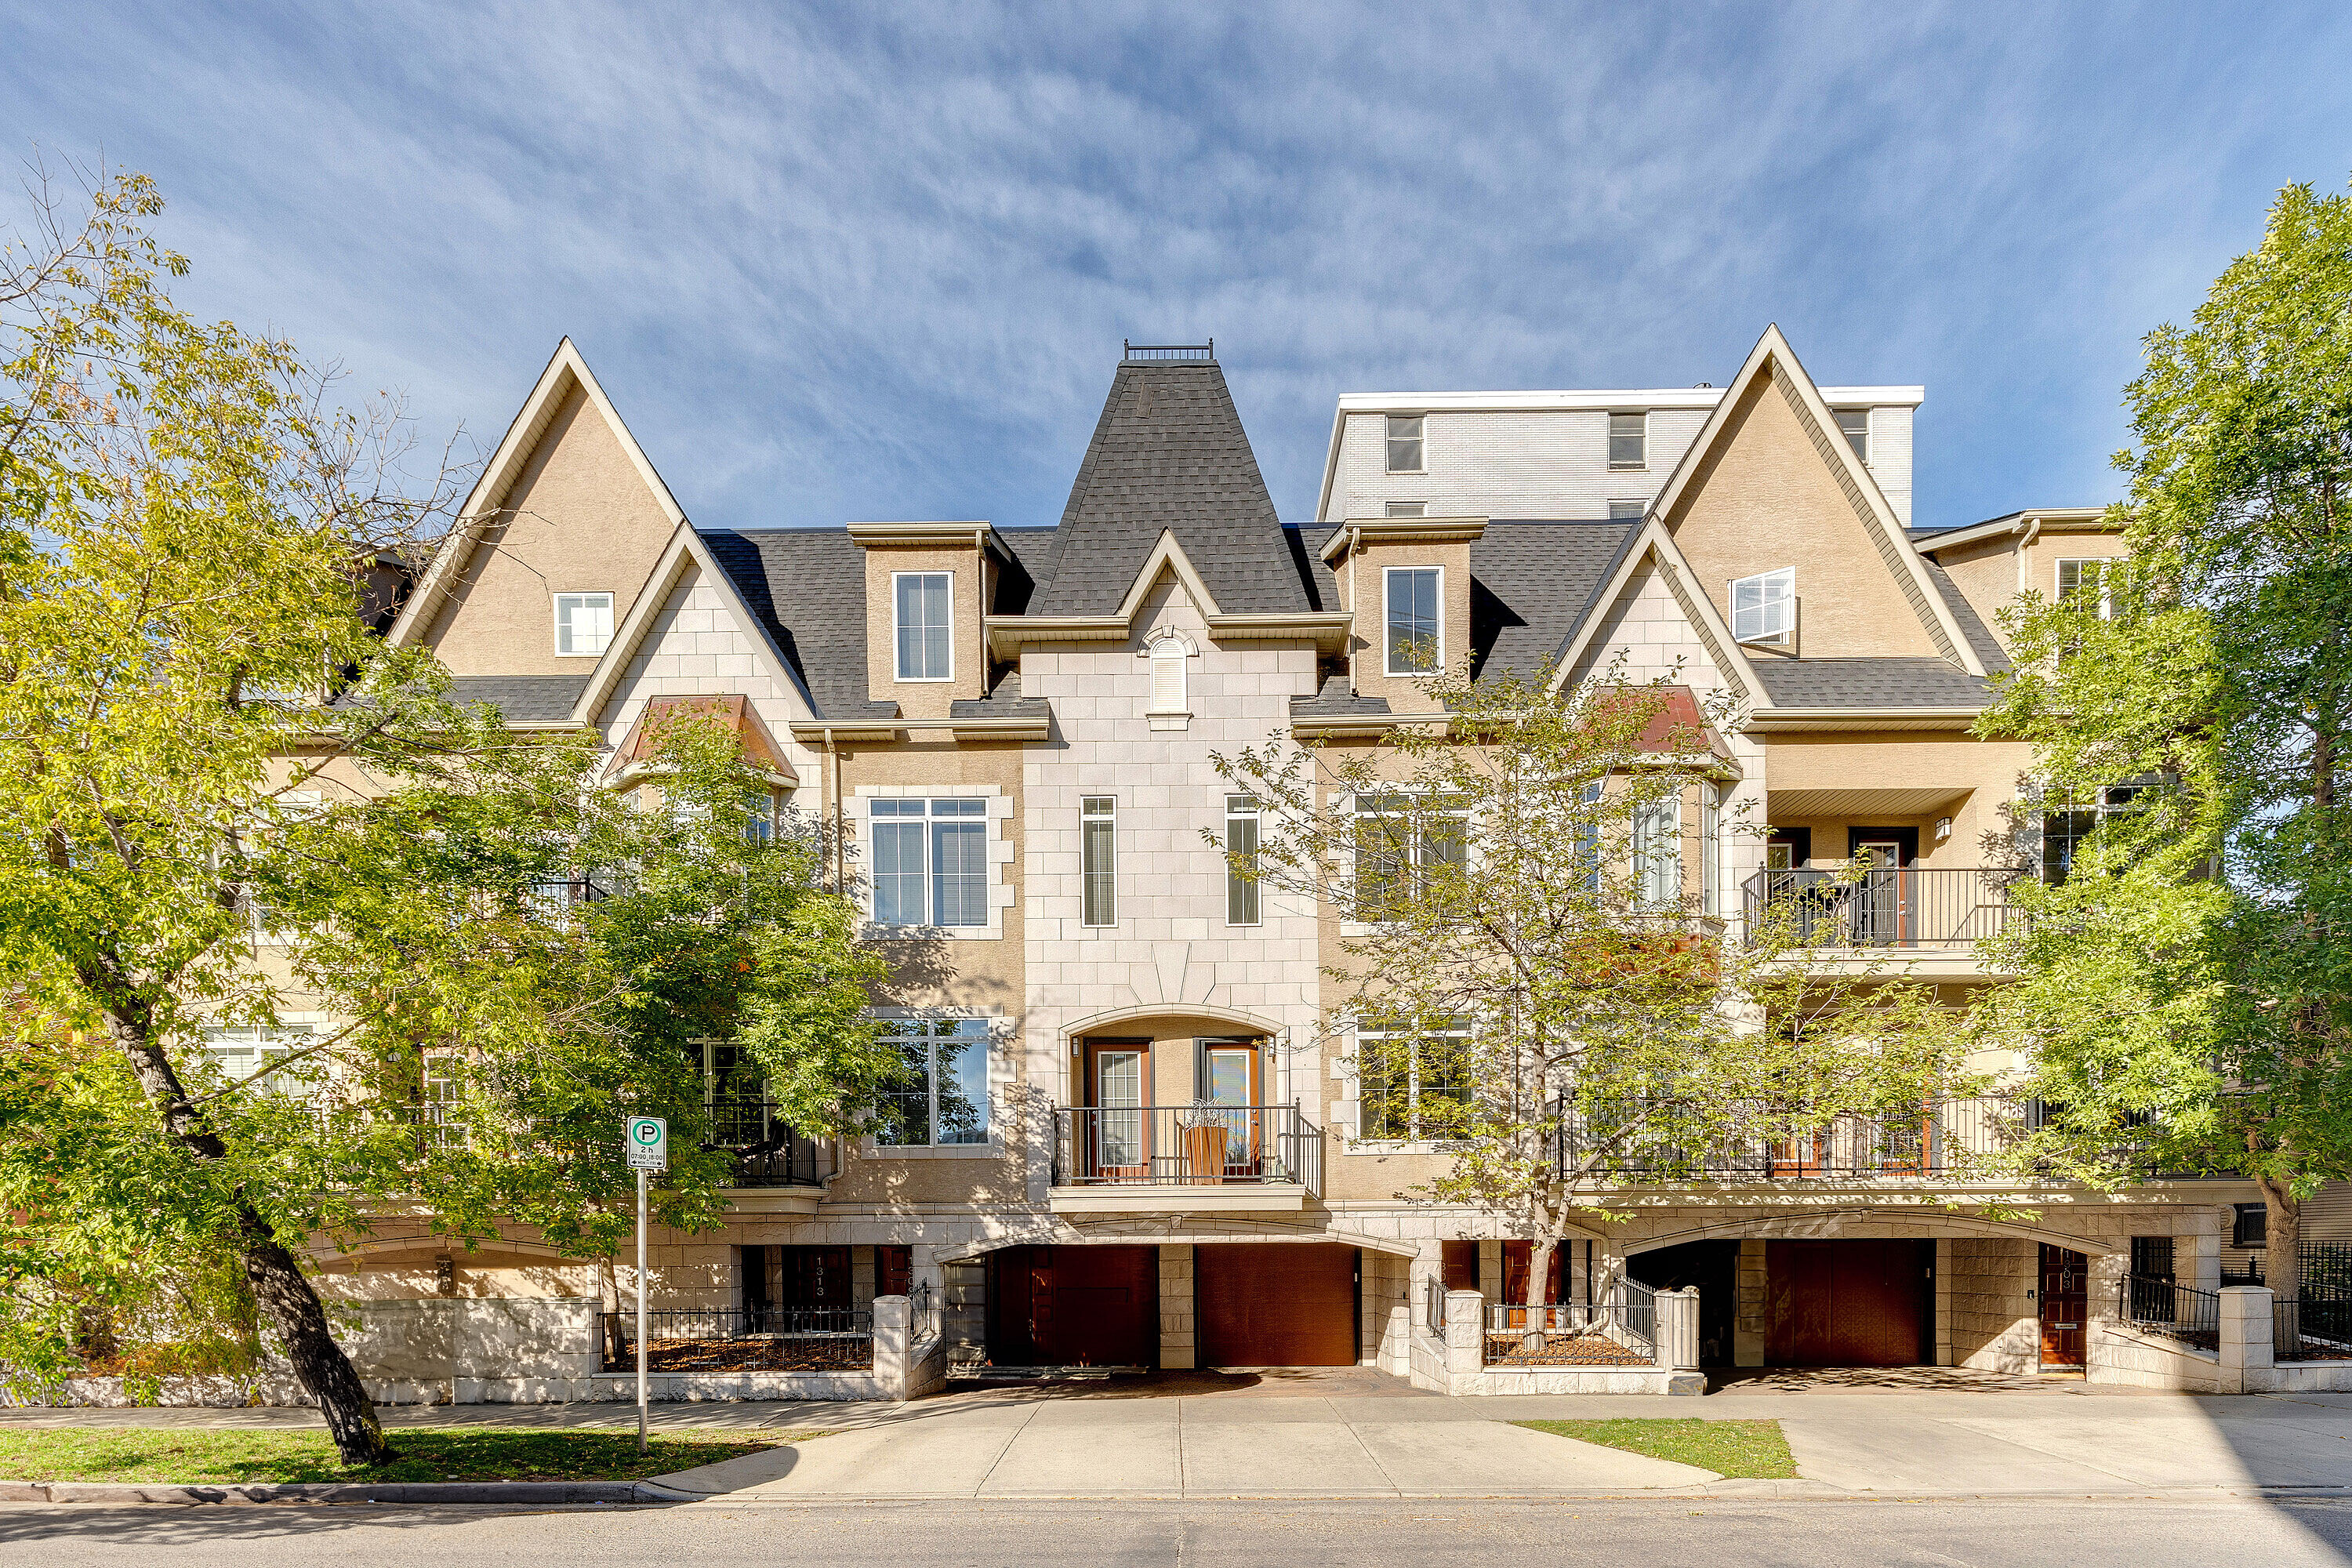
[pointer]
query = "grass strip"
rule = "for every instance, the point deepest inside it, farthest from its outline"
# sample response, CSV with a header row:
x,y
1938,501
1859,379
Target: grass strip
x,y
423,1453
1733,1449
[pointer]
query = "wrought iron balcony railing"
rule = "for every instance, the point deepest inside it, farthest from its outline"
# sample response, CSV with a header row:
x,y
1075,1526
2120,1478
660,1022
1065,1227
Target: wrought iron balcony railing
x,y
1186,1146
768,1152
1663,1140
1885,906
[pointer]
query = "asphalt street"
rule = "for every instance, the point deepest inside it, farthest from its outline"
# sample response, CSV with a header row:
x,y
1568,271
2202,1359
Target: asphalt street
x,y
2145,1533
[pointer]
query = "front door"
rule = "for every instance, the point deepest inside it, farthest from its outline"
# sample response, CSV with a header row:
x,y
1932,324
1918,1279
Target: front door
x,y
2066,1303
1116,1137
1878,897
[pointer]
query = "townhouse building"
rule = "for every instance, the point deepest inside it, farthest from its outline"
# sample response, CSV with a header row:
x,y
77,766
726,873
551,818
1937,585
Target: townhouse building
x,y
1132,1136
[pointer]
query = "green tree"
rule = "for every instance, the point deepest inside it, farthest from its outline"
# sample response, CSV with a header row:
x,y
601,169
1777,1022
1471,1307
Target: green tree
x,y
1531,963
2187,980
224,800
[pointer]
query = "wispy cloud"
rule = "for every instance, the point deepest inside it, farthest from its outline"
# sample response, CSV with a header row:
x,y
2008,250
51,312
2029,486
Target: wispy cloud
x,y
835,265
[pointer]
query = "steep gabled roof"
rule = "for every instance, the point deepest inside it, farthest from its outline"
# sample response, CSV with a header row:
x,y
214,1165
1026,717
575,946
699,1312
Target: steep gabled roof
x,y
806,589
1169,456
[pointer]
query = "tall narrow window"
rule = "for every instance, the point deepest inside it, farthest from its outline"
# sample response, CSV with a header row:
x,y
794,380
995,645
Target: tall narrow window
x,y
1658,851
1629,440
1764,608
1168,655
1710,827
1588,834
919,609
1404,443
583,624
1414,616
930,862
1241,860
1853,424
2085,582
1098,841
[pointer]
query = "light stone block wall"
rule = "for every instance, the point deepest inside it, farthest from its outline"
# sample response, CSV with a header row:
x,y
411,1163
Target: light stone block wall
x,y
1391,1295
1996,1326
694,648
1180,1344
1749,1320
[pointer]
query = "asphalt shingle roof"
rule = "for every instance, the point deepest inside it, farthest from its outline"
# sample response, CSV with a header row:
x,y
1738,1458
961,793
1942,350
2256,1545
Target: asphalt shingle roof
x,y
1168,453
1531,586
807,586
521,698
1869,683
1336,702
1980,636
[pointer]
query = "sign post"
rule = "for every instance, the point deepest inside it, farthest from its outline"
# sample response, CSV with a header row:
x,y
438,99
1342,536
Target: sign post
x,y
646,1141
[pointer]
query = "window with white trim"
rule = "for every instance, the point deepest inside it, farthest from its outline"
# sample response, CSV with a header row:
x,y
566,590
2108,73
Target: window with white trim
x,y
1405,845
940,1095
1587,834
1168,657
1407,509
930,861
2085,582
1710,854
1412,1085
251,1057
1627,510
1853,424
1764,608
583,625
1658,850
1404,443
1415,609
1098,858
1629,441
2068,820
922,624
1241,846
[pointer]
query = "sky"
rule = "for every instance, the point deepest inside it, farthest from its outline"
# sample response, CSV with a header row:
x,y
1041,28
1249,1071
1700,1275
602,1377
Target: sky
x,y
836,265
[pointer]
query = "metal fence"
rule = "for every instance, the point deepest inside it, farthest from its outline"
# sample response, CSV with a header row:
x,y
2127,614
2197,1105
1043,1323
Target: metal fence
x,y
2158,1306
754,1339
2315,1326
923,1312
1671,1140
1887,905
1195,351
767,1151
1621,1330
1432,1303
1186,1146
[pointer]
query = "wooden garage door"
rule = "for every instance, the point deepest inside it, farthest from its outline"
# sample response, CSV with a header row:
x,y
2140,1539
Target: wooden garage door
x,y
1074,1306
1846,1303
1276,1303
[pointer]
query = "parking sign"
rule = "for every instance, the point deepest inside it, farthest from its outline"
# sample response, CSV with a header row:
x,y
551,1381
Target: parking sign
x,y
647,1139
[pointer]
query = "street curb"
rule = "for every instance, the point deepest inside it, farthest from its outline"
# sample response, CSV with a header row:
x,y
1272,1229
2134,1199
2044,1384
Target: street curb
x,y
540,1492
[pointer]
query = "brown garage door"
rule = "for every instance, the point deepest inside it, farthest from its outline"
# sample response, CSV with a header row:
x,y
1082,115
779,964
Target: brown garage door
x,y
1074,1306
1846,1303
1276,1303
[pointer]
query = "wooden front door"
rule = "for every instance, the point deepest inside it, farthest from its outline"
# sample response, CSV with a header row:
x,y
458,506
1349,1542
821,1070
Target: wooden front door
x,y
1117,1132
816,1277
2065,1305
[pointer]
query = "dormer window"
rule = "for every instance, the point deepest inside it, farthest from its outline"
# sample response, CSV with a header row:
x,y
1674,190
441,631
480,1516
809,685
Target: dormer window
x,y
922,623
583,625
1764,608
1629,440
1404,443
1415,619
1853,424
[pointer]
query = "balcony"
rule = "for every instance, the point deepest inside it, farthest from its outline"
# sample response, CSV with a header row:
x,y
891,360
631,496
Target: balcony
x,y
1665,1141
1224,1159
777,1170
1897,908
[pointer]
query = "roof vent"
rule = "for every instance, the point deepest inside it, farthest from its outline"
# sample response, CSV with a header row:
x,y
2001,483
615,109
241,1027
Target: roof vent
x,y
1204,353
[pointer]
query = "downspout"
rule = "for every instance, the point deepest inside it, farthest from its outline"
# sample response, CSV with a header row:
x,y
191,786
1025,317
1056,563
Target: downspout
x,y
2031,531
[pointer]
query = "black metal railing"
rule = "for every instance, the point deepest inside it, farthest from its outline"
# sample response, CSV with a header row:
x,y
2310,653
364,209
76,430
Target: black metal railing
x,y
1621,1330
2315,1326
1665,1139
767,1151
556,900
1433,1305
1885,907
754,1339
2158,1306
922,1312
1199,352
1186,1146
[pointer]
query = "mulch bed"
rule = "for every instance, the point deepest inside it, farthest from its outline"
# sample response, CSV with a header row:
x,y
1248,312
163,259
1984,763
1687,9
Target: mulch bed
x,y
820,1353
1561,1350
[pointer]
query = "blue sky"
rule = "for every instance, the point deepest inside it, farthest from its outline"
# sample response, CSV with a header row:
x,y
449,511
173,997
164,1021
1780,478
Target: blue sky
x,y
837,265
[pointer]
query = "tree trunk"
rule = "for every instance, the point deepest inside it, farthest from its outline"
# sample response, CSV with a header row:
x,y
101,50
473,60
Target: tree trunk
x,y
2282,1231
280,1287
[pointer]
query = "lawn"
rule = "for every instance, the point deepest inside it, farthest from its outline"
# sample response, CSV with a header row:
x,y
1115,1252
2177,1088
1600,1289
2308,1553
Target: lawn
x,y
1730,1449
425,1453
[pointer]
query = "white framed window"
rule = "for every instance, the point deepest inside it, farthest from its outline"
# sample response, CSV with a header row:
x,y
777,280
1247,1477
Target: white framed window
x,y
1404,443
922,624
583,625
1658,851
1629,441
2087,579
1587,834
251,1057
2067,820
1403,845
1407,508
1415,600
1410,1086
1168,657
1853,424
1627,510
1098,857
762,809
1764,608
1241,842
930,861
1710,827
941,1097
